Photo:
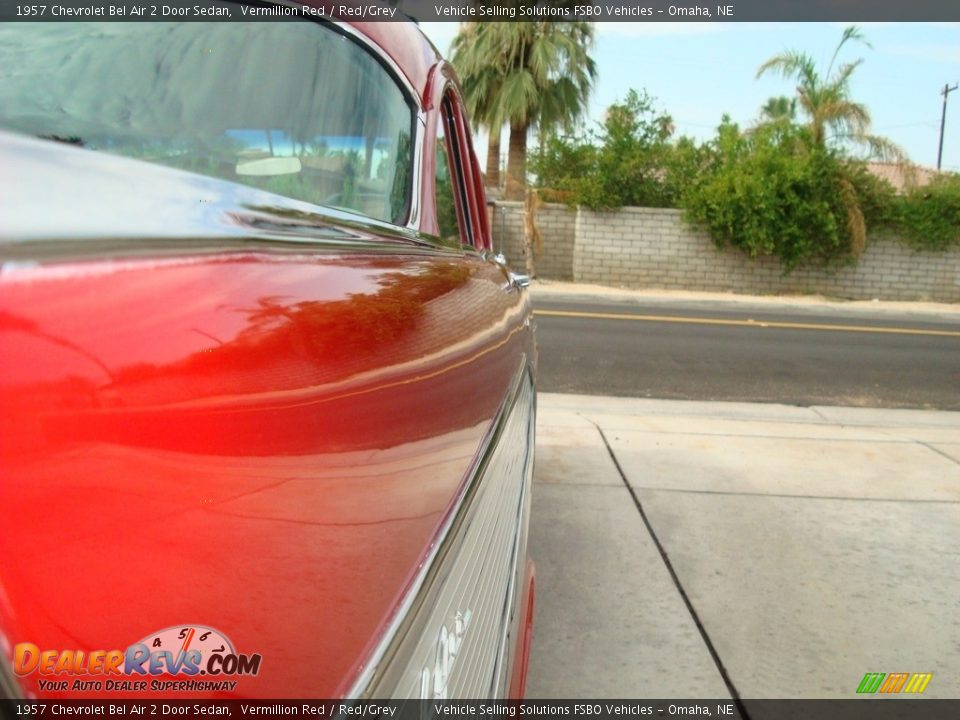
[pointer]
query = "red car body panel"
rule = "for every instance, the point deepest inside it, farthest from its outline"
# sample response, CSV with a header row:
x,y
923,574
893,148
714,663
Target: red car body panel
x,y
150,445
256,420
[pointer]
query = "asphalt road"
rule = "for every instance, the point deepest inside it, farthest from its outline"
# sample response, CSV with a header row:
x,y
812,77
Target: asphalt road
x,y
748,354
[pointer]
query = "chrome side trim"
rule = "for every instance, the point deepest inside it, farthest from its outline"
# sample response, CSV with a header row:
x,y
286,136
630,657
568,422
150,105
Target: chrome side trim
x,y
513,611
485,563
46,252
392,669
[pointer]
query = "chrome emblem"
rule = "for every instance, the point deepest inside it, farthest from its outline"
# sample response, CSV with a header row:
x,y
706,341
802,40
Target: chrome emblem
x,y
433,683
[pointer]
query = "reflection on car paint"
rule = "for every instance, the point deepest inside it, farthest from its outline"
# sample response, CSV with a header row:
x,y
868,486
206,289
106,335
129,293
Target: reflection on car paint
x,y
232,408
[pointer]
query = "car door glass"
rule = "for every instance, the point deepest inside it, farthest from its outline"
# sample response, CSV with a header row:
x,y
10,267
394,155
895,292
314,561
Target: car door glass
x,y
296,108
448,185
447,221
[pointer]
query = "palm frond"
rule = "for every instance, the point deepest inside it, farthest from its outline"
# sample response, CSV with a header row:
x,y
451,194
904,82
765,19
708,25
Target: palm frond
x,y
842,78
886,150
856,225
792,64
519,96
488,55
848,118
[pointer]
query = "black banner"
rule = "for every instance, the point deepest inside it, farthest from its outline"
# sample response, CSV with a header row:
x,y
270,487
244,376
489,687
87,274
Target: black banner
x,y
487,10
874,708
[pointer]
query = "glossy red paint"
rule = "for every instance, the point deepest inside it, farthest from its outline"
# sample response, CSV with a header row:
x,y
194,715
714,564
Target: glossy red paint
x,y
521,653
261,440
261,444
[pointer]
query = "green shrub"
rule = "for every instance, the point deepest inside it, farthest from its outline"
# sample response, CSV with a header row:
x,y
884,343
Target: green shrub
x,y
564,166
773,192
629,161
769,191
928,217
875,195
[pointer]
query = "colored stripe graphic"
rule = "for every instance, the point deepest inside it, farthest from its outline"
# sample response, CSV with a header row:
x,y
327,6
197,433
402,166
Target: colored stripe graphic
x,y
871,682
918,683
893,683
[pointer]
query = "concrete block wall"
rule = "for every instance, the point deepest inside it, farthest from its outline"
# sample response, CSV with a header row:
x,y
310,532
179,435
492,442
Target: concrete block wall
x,y
656,248
557,225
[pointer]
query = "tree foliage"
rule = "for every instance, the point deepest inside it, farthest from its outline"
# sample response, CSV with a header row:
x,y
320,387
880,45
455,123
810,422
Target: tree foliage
x,y
774,192
779,109
928,217
525,75
629,160
833,117
835,120
790,187
481,81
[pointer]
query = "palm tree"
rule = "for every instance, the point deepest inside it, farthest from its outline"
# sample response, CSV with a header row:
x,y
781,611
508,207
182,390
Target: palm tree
x,y
525,74
481,81
833,117
779,109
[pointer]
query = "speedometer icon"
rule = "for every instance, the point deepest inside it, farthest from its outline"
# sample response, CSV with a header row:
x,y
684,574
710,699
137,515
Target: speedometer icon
x,y
184,638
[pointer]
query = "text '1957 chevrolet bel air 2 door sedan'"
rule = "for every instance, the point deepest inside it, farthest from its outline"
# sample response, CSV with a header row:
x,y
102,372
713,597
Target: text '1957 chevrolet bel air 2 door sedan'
x,y
266,396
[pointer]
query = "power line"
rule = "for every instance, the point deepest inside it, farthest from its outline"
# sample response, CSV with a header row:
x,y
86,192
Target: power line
x,y
907,125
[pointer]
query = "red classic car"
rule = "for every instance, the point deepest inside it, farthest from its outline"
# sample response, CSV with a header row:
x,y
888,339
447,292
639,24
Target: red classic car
x,y
266,396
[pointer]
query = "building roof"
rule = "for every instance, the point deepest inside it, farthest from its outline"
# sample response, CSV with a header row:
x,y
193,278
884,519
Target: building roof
x,y
902,176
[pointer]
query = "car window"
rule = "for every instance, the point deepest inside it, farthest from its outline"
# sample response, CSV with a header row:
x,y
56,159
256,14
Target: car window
x,y
443,185
448,183
296,108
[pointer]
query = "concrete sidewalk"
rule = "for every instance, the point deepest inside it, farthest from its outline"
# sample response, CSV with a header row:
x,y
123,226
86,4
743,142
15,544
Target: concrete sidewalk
x,y
689,549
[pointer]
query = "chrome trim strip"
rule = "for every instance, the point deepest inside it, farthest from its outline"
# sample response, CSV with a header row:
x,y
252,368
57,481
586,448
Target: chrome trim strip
x,y
423,586
510,620
416,176
495,580
40,252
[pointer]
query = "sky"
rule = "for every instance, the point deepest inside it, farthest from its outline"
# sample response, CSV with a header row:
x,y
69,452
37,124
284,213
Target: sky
x,y
698,71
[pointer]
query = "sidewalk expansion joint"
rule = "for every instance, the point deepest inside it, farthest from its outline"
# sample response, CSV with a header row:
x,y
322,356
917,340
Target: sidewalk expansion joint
x,y
821,415
893,440
787,496
731,688
928,446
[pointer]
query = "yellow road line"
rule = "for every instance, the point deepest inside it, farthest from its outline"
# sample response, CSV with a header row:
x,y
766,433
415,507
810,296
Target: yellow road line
x,y
749,322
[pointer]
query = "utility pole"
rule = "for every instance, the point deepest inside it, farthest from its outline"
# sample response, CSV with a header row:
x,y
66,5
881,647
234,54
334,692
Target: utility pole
x,y
943,118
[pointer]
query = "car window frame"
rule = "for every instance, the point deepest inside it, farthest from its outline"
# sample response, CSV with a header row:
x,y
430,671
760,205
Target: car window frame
x,y
411,220
453,147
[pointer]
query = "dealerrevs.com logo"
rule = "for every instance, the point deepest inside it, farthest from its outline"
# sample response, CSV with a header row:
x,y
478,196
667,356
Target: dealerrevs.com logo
x,y
188,658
